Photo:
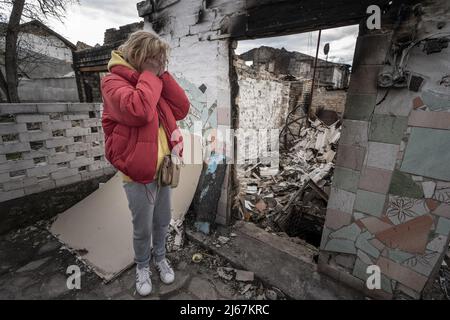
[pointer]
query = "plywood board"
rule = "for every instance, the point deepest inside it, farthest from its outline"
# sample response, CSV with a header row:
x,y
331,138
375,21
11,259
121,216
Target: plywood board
x,y
99,227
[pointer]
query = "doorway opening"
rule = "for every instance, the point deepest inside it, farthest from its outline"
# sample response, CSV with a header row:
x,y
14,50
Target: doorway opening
x,y
290,98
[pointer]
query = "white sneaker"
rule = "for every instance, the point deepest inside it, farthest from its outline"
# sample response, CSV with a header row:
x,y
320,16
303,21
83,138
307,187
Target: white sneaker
x,y
166,273
143,281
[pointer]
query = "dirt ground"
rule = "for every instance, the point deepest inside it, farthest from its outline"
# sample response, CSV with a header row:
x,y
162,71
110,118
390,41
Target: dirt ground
x,y
33,265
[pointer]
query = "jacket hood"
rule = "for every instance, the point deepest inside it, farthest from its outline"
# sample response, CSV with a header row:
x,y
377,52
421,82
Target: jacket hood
x,y
118,60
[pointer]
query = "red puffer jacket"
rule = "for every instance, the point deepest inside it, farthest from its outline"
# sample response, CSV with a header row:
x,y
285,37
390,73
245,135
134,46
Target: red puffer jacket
x,y
132,102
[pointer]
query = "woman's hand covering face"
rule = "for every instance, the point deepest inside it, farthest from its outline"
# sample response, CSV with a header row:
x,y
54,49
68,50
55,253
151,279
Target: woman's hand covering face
x,y
153,66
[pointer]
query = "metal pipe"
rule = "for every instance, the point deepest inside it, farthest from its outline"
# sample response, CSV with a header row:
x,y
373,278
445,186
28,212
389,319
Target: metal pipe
x,y
314,76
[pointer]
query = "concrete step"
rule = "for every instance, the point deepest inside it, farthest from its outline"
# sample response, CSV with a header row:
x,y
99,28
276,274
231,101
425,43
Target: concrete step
x,y
277,262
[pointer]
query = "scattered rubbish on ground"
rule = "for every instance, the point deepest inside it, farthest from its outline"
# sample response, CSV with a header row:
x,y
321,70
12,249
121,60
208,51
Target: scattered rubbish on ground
x,y
242,275
175,235
223,240
197,258
225,273
293,199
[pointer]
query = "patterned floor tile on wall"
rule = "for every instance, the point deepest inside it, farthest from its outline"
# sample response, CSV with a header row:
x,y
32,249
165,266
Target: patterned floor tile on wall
x,y
370,202
350,232
336,219
411,236
363,243
387,128
424,263
382,155
360,271
374,225
341,245
438,244
442,209
346,179
351,157
443,226
403,209
425,154
442,192
428,189
427,119
341,200
398,255
403,185
375,180
402,274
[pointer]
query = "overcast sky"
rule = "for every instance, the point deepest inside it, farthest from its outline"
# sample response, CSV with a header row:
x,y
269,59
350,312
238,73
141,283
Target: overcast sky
x,y
88,21
342,43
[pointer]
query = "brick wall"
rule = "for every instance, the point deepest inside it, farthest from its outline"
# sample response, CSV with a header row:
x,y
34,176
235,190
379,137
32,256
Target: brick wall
x,y
263,104
329,100
121,34
46,146
264,100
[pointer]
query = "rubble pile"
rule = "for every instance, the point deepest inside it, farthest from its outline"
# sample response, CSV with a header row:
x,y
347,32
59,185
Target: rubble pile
x,y
175,235
294,199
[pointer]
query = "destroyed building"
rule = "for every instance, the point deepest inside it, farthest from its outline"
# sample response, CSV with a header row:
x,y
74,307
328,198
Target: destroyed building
x,y
372,217
306,155
388,201
300,65
91,63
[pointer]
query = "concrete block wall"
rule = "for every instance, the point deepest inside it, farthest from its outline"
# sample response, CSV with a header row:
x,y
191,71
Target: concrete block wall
x,y
389,204
49,145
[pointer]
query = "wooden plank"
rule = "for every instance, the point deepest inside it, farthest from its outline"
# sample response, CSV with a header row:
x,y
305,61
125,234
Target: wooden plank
x,y
102,68
283,17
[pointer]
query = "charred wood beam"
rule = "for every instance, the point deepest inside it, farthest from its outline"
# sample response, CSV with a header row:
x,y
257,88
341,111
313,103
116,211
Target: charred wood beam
x,y
270,17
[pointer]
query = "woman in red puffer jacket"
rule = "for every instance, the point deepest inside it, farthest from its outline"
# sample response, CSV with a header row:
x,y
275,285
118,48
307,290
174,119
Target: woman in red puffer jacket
x,y
142,103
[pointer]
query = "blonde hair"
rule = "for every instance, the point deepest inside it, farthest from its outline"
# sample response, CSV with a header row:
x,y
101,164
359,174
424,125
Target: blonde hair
x,y
143,45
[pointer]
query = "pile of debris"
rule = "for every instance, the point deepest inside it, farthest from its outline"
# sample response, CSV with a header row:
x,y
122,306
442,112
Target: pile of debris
x,y
293,199
175,235
247,286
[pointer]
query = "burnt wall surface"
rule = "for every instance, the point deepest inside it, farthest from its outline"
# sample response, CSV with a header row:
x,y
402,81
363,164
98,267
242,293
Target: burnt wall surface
x,y
390,204
324,99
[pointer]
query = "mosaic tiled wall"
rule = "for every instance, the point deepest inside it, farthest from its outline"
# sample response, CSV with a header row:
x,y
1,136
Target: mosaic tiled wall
x,y
390,203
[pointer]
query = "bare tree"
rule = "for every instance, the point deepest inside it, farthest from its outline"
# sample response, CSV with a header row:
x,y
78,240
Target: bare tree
x,y
19,10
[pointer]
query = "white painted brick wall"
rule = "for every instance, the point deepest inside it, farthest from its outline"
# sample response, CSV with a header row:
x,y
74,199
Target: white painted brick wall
x,y
42,161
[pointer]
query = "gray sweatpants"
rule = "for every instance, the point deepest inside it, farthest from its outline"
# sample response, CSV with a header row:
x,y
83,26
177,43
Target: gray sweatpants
x,y
150,210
